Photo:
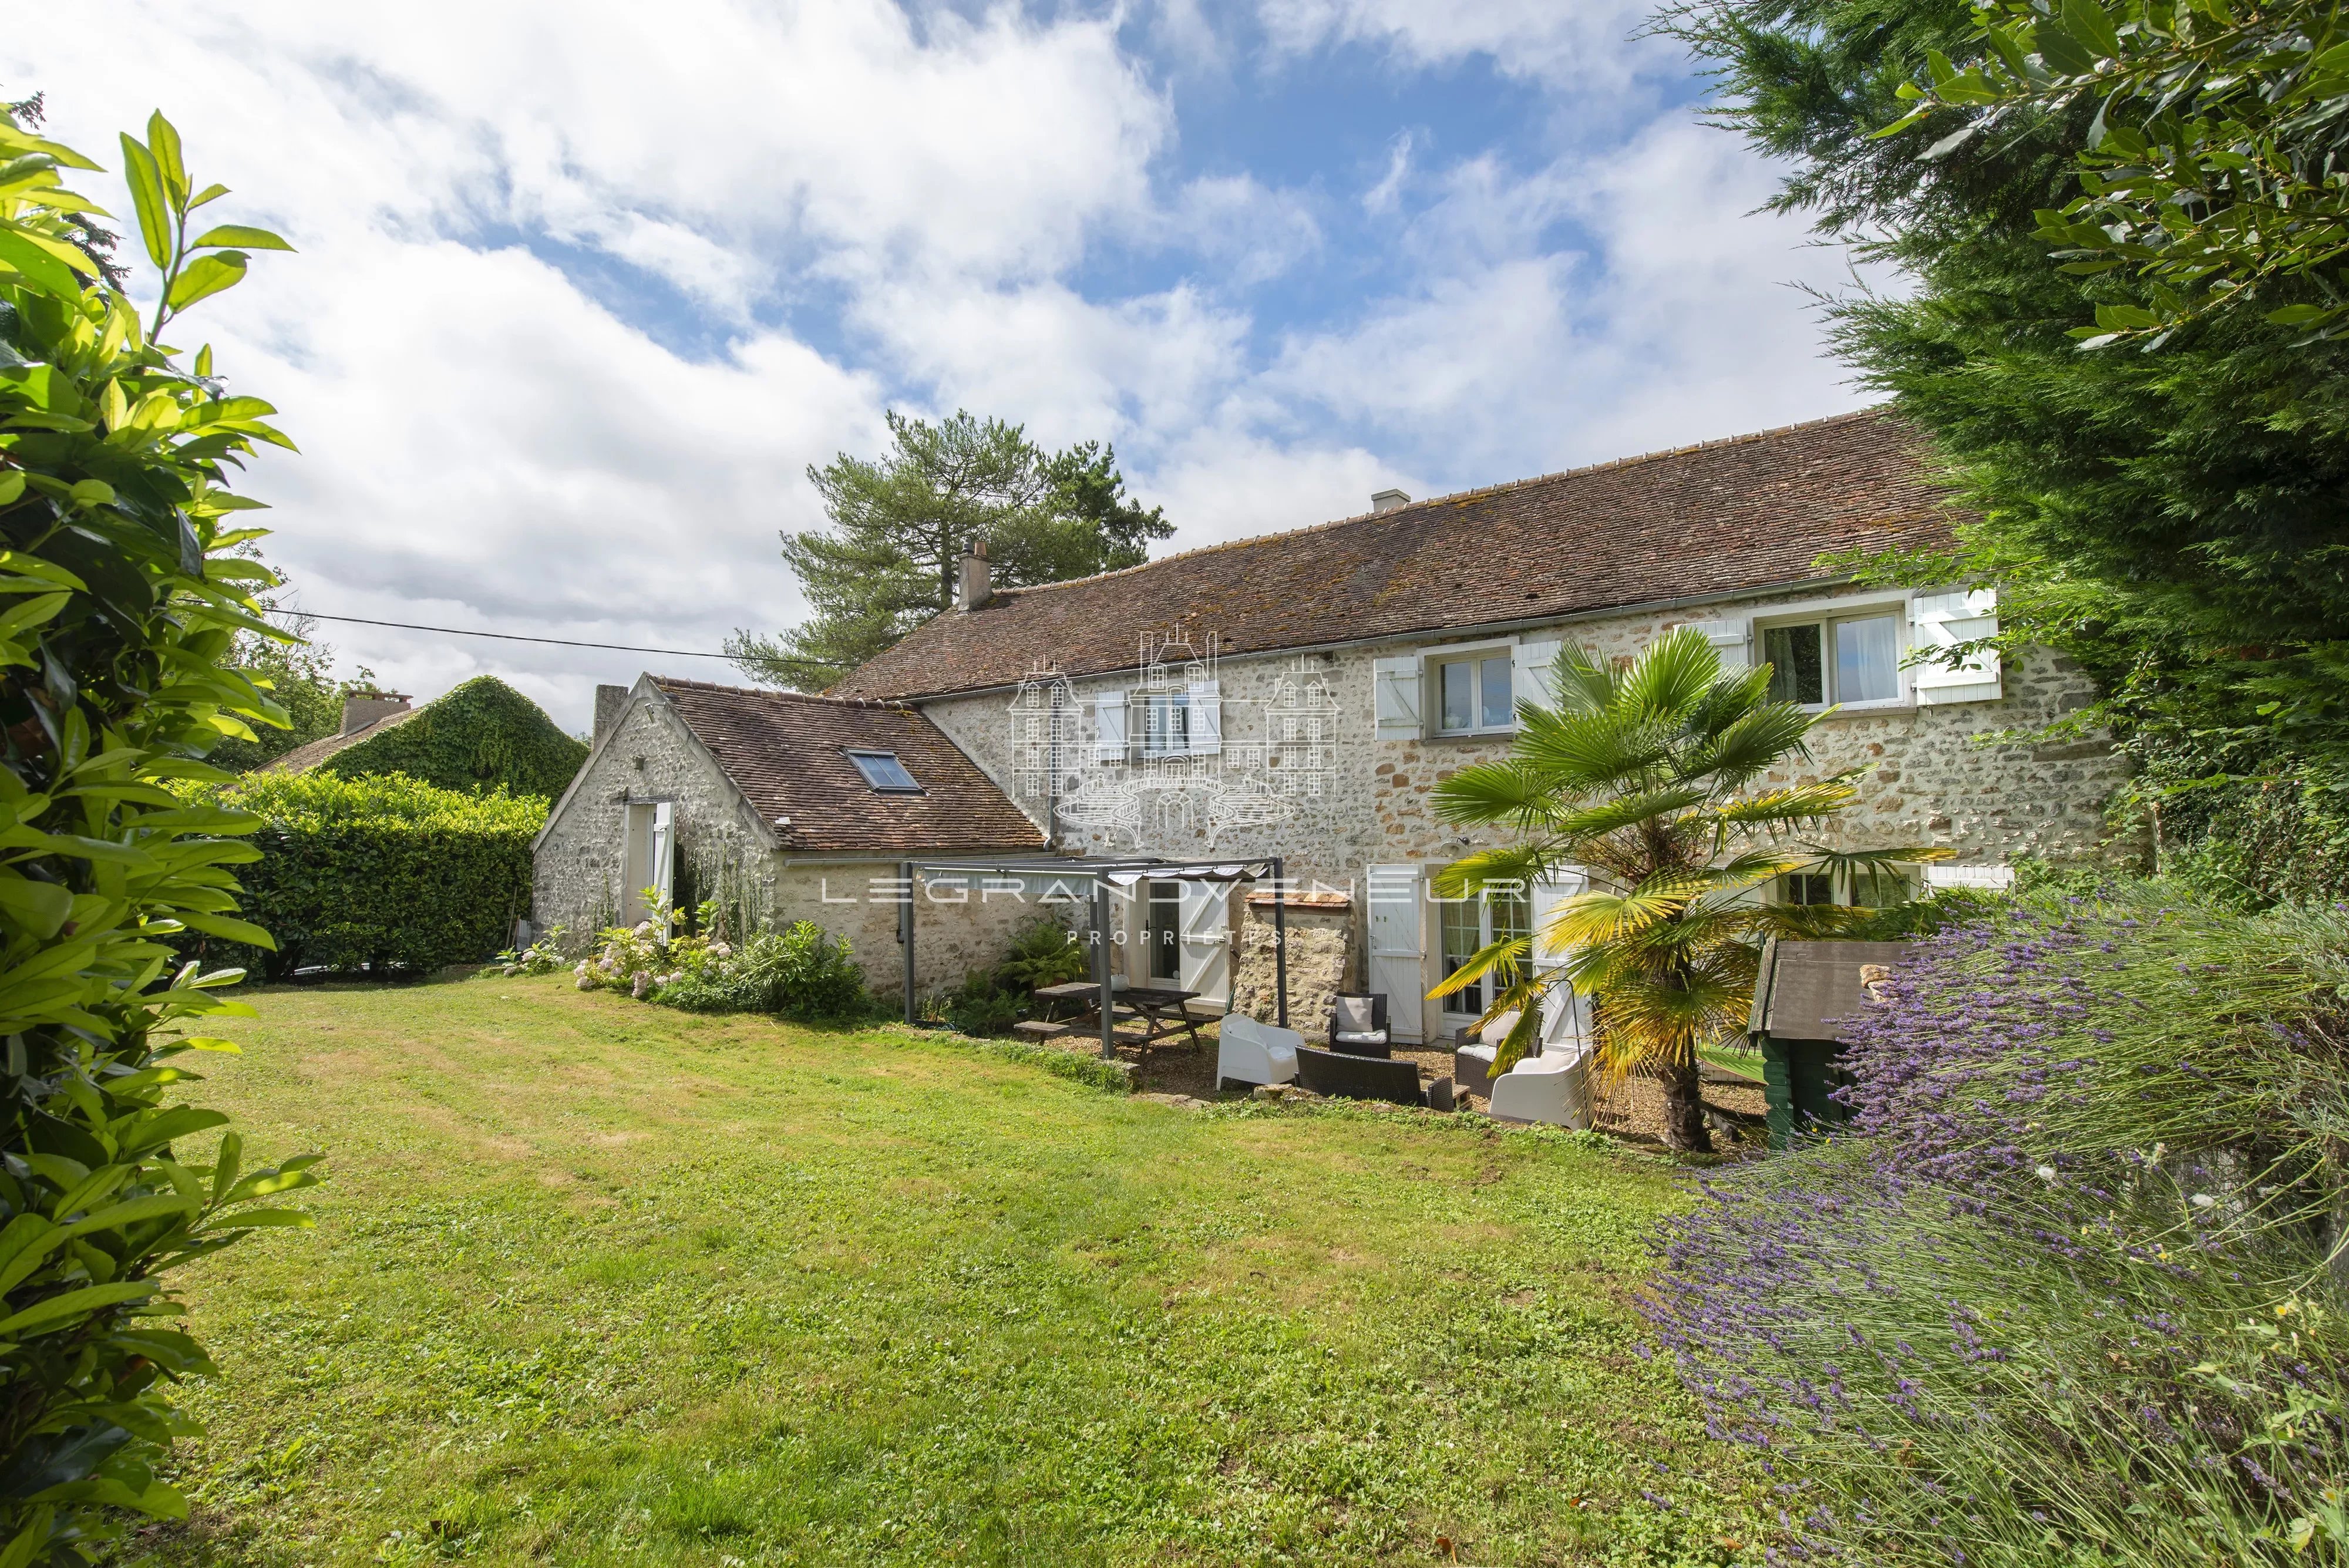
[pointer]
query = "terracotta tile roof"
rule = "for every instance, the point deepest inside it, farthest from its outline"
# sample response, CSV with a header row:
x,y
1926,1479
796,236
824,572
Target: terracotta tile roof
x,y
1752,512
788,755
303,758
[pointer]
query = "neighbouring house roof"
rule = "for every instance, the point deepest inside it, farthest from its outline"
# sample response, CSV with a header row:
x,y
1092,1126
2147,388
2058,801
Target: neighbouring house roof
x,y
788,755
304,757
1745,513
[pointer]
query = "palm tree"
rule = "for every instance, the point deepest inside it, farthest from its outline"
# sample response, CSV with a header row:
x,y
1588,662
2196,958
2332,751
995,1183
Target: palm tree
x,y
1639,778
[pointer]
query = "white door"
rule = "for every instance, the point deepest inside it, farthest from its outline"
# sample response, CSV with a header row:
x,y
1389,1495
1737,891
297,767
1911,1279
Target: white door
x,y
1565,1017
1399,950
1207,943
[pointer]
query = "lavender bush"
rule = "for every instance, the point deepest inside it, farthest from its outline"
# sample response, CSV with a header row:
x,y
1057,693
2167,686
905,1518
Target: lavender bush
x,y
2069,1287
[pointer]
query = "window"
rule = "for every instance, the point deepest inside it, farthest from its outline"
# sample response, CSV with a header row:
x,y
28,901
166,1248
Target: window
x,y
1880,888
1856,659
1167,726
1471,924
1473,696
884,773
1167,930
1809,887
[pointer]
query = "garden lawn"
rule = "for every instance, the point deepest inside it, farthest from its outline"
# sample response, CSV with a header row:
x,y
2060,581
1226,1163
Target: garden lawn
x,y
597,1281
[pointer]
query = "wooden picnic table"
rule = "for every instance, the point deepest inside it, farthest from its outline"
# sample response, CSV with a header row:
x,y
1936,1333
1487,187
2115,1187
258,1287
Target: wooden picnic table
x,y
1162,1014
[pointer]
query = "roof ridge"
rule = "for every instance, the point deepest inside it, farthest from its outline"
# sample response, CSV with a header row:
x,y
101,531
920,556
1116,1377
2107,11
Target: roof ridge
x,y
1457,496
774,692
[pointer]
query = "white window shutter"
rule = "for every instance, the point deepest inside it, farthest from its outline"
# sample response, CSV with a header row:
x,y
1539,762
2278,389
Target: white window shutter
x,y
1565,1020
1398,958
1396,682
1731,638
1109,727
663,850
1207,727
1945,620
1535,675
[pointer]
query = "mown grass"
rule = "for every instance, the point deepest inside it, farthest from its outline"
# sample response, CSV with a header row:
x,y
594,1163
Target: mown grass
x,y
595,1282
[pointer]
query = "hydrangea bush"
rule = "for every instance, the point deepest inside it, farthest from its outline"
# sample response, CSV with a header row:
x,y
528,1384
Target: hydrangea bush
x,y
2067,1289
800,971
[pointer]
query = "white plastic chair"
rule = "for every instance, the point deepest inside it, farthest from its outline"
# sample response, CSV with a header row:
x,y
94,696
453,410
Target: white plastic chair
x,y
1472,1065
1554,1088
1250,1051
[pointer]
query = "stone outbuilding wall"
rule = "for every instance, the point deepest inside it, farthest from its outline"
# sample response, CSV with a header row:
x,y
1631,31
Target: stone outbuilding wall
x,y
1322,960
650,756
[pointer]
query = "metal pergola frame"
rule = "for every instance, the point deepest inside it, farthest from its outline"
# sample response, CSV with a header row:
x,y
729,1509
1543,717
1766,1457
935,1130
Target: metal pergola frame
x,y
1100,872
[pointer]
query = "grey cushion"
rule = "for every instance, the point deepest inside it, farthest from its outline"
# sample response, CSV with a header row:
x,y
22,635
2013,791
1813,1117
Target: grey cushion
x,y
1361,1036
1354,1018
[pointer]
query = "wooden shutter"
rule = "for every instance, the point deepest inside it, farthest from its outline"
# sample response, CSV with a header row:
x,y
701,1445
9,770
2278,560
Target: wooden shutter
x,y
1207,966
1945,620
1565,1017
1534,674
1109,727
1398,954
1206,726
1395,682
1732,639
665,851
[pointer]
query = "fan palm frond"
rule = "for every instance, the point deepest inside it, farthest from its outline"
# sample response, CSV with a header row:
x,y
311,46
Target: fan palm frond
x,y
1520,865
1670,677
1508,956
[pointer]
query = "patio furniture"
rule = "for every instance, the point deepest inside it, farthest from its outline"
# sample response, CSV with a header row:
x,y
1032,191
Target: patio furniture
x,y
1248,1052
1358,1025
1555,1088
1162,1014
1343,1076
1472,1064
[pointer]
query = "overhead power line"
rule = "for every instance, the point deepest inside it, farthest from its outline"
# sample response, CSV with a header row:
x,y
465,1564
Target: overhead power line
x,y
517,637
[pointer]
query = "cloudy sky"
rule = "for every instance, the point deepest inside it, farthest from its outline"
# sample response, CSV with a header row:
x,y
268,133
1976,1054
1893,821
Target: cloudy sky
x,y
583,288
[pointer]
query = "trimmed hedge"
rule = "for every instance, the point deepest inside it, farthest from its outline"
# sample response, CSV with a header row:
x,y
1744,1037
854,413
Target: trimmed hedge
x,y
389,873
482,735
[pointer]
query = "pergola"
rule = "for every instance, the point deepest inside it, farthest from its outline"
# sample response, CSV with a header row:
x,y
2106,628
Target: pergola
x,y
1096,876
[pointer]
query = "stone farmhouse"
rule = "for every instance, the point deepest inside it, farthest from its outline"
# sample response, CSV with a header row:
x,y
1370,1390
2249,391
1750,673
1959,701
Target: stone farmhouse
x,y
1300,694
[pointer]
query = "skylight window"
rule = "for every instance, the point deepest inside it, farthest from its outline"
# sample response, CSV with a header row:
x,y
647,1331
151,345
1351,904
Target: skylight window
x,y
884,773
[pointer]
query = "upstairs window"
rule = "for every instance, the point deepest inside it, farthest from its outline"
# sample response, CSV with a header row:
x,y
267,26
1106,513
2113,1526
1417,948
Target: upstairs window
x,y
884,773
1167,726
1473,696
1848,661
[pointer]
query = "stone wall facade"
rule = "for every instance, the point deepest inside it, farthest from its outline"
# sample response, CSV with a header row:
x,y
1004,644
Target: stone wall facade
x,y
1939,775
1933,774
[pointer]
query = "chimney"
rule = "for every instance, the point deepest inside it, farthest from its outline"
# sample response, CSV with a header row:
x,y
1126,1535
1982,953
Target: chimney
x,y
609,700
361,709
974,588
1388,500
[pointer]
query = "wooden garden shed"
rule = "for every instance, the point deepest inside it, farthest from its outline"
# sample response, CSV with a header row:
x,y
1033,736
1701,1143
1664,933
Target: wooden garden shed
x,y
1804,998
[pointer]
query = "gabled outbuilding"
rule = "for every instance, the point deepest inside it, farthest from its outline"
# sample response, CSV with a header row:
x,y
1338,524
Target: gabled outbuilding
x,y
806,807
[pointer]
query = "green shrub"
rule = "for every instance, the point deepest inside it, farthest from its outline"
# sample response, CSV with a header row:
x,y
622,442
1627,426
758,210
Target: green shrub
x,y
801,971
123,595
390,874
984,1005
482,735
2078,1248
1044,952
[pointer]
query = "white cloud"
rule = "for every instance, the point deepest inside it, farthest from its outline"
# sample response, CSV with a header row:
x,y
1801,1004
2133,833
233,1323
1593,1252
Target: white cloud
x,y
859,207
1589,42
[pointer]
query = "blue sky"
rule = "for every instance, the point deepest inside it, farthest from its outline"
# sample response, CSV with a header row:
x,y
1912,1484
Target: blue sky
x,y
583,290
